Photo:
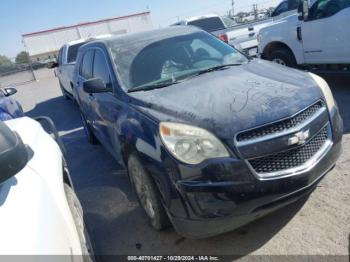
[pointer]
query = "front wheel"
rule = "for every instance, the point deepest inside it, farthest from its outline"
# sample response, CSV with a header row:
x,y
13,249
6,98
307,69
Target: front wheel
x,y
147,194
283,57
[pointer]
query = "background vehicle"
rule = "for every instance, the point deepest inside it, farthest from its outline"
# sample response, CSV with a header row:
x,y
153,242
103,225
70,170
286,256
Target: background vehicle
x,y
65,66
39,213
242,37
66,62
9,107
196,123
317,38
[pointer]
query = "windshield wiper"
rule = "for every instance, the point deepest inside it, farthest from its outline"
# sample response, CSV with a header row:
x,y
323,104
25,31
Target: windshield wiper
x,y
216,68
208,70
165,84
151,87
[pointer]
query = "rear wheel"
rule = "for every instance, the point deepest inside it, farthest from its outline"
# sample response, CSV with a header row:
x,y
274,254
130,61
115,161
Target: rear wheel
x,y
88,130
147,194
77,213
284,57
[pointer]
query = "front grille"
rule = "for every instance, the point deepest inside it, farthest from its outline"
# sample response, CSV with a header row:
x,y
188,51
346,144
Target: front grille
x,y
291,158
282,125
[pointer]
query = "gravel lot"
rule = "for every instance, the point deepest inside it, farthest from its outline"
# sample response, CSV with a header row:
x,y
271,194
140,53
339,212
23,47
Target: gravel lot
x,y
318,226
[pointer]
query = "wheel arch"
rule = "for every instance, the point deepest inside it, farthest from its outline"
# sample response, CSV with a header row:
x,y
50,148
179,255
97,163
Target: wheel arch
x,y
269,48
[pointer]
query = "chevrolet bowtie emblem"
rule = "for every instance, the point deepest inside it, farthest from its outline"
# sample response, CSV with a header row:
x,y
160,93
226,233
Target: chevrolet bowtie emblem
x,y
299,138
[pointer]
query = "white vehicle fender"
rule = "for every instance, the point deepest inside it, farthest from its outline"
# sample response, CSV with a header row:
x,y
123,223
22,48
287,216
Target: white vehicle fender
x,y
282,32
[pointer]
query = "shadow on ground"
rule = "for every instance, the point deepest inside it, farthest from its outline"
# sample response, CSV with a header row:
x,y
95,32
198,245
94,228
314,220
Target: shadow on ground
x,y
341,90
63,112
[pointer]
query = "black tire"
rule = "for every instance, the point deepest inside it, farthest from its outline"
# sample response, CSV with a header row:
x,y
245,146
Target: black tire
x,y
148,196
92,139
283,56
78,216
64,93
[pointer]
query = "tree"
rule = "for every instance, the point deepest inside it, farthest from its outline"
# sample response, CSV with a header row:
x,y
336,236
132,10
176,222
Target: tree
x,y
22,58
4,60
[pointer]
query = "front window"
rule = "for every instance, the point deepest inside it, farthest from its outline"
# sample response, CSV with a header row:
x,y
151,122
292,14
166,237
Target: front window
x,y
144,63
326,8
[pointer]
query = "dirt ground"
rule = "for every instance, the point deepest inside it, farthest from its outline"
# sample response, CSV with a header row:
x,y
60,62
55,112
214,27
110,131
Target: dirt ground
x,y
319,225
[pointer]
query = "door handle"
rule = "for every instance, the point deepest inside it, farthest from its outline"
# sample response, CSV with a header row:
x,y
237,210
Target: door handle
x,y
299,33
251,34
250,28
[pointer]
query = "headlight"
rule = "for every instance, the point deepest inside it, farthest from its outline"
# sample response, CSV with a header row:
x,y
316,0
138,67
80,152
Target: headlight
x,y
325,90
189,144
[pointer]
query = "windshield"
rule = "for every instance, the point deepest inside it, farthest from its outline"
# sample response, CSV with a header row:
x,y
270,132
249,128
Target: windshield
x,y
141,63
209,24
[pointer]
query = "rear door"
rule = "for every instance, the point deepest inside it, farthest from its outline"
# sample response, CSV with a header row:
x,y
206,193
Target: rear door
x,y
326,32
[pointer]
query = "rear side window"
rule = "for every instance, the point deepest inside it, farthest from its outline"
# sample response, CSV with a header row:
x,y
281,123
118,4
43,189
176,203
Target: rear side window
x,y
73,52
208,24
86,65
100,68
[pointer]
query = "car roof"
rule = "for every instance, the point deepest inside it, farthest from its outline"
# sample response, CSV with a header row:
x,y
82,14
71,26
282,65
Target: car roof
x,y
194,18
83,40
146,36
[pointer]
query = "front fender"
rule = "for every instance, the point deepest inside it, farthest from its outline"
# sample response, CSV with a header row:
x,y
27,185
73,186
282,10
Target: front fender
x,y
283,32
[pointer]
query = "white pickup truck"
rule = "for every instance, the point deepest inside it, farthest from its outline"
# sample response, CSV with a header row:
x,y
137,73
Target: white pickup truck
x,y
318,38
65,66
242,36
66,63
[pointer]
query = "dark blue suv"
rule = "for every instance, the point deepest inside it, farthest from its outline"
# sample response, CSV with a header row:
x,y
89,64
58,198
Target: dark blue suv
x,y
9,107
211,139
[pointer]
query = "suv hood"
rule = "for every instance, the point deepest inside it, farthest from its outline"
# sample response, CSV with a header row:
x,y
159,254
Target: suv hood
x,y
228,101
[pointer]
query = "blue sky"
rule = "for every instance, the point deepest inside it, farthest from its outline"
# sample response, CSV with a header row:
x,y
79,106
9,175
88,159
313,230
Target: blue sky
x,y
21,16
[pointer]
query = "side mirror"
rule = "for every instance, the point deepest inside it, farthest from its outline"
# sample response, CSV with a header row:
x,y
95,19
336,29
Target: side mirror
x,y
95,85
303,9
9,91
52,64
13,153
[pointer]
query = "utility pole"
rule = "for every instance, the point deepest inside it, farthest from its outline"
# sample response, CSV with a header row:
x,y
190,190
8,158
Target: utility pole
x,y
255,11
232,8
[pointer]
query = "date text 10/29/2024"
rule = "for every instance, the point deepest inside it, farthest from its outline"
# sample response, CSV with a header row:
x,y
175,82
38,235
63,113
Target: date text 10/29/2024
x,y
173,258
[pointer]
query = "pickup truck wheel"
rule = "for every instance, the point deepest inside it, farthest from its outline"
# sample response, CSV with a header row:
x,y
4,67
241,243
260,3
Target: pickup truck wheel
x,y
88,131
147,194
64,93
284,57
78,216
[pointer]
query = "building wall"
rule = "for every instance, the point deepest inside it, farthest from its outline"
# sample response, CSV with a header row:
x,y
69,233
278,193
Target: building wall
x,y
41,45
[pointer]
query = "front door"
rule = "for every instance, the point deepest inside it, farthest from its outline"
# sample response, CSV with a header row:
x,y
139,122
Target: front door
x,y
326,32
106,106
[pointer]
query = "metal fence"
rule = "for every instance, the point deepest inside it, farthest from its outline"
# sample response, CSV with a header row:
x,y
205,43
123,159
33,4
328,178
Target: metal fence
x,y
12,74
